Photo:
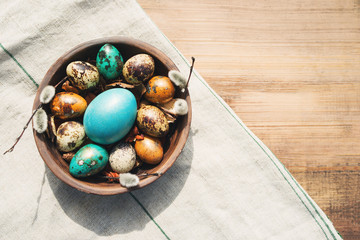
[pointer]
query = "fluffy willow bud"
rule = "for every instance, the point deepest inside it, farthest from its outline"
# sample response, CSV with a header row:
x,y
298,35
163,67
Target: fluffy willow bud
x,y
128,180
176,106
47,94
40,121
178,79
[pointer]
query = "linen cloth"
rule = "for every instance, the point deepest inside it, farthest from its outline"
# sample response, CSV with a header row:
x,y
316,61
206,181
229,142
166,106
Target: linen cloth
x,y
226,184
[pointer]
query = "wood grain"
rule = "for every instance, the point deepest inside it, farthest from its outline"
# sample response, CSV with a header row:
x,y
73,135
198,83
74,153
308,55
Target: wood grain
x,y
291,72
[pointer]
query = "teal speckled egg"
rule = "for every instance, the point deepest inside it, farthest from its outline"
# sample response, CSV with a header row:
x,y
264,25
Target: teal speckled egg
x,y
109,62
88,161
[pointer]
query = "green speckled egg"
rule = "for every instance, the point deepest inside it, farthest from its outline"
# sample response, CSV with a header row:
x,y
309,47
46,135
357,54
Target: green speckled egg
x,y
88,161
109,62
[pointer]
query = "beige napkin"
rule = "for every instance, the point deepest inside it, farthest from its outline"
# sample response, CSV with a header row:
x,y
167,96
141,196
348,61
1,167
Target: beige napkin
x,y
225,185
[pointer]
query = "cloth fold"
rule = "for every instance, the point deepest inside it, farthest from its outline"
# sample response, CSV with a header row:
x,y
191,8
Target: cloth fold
x,y
226,184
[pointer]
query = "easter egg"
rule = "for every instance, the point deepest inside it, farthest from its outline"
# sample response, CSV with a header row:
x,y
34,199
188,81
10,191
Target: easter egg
x,y
109,62
82,75
67,105
110,116
159,89
122,157
70,135
88,161
152,121
138,68
149,150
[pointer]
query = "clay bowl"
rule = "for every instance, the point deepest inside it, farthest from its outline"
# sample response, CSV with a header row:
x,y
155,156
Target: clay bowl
x,y
174,144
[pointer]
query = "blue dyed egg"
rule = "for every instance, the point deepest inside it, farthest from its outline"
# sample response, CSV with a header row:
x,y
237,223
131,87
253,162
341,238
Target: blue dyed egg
x,y
110,116
88,161
109,62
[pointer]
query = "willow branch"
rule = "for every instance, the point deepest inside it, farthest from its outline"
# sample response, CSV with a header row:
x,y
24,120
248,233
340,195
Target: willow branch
x,y
27,124
191,69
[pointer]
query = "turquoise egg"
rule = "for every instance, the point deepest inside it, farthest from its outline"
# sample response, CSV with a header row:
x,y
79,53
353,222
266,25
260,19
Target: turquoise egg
x,y
110,116
88,161
109,62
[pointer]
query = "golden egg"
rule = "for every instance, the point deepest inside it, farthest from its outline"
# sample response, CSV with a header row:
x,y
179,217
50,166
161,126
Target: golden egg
x,y
159,89
149,150
66,105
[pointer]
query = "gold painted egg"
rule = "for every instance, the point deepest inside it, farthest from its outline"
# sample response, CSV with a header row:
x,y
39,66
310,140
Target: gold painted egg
x,y
149,150
159,89
66,105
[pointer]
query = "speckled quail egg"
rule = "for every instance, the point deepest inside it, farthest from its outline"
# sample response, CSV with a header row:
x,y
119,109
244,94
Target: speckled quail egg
x,y
138,68
152,121
69,136
83,75
122,157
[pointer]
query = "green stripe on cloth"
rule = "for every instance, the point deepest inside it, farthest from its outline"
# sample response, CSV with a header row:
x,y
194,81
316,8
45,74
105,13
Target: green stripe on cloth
x,y
272,160
149,215
17,62
136,200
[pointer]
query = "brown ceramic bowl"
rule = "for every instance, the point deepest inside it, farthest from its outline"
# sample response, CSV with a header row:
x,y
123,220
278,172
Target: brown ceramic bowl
x,y
175,143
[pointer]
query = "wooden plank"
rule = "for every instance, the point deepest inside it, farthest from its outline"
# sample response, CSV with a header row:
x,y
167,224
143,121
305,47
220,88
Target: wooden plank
x,y
291,72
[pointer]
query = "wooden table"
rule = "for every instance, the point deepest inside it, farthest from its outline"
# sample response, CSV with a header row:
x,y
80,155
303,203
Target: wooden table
x,y
291,72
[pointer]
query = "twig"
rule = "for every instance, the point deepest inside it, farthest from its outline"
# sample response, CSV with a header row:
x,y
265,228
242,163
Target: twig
x,y
191,69
140,175
61,81
27,124
149,174
119,84
167,111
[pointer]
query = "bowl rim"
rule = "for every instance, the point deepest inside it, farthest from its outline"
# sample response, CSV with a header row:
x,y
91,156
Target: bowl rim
x,y
41,144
